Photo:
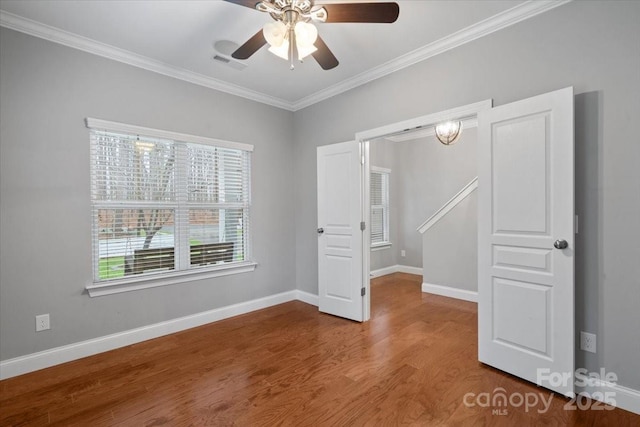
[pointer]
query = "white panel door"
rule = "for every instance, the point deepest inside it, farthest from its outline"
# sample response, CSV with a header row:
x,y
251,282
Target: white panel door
x,y
525,219
339,235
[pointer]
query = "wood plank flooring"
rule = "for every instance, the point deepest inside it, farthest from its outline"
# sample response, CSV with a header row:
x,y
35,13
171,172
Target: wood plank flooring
x,y
412,364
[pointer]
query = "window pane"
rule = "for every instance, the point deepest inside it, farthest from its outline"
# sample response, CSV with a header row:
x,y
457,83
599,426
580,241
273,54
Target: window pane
x,y
217,236
134,241
128,168
377,225
203,180
379,196
376,188
234,168
217,175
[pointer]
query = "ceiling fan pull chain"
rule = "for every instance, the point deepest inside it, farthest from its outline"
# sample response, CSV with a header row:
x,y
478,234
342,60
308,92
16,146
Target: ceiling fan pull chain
x,y
292,41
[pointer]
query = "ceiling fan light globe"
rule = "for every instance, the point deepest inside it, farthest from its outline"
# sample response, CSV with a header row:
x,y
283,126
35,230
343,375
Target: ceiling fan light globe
x,y
274,33
304,51
282,51
306,34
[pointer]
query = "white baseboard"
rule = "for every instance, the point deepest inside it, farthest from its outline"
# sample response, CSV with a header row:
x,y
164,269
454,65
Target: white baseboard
x,y
409,270
307,297
395,269
55,356
447,291
383,271
625,398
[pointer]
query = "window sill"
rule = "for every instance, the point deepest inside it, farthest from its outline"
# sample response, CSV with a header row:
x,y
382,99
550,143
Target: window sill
x,y
380,246
97,289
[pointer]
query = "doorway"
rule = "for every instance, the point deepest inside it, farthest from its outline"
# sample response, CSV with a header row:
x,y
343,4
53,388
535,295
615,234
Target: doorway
x,y
525,278
417,135
417,224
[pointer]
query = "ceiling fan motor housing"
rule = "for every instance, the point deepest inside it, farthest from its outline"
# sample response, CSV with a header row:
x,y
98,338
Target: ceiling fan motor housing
x,y
284,10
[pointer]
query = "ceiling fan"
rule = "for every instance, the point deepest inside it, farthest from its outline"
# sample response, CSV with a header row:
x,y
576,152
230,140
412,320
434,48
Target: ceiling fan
x,y
293,27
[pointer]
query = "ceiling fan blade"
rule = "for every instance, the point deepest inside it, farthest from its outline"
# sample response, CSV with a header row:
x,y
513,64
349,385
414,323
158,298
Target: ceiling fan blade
x,y
246,3
250,47
362,12
324,56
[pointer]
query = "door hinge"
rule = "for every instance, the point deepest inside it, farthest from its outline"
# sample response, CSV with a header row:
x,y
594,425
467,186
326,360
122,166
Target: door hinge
x,y
363,291
362,226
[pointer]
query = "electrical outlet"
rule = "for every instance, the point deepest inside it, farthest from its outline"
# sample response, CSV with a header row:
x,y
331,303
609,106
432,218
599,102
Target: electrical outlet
x,y
588,342
43,322
403,253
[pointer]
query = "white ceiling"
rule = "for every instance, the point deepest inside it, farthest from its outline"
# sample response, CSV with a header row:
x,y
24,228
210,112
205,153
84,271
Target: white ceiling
x,y
177,38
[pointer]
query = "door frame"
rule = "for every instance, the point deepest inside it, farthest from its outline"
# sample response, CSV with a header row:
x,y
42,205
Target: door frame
x,y
364,138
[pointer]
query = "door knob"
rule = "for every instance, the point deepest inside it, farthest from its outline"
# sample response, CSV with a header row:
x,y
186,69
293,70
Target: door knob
x,y
320,230
560,244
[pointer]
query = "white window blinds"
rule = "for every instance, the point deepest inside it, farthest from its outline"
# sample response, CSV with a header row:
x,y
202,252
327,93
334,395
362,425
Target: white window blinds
x,y
162,206
379,196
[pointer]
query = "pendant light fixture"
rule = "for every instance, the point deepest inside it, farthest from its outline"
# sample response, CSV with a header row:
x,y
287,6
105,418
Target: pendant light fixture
x,y
448,132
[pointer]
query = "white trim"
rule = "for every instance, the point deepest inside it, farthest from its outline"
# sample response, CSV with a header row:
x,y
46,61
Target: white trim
x,y
395,269
625,398
383,271
306,297
380,246
108,126
448,291
452,203
409,270
165,279
55,356
465,111
469,123
490,25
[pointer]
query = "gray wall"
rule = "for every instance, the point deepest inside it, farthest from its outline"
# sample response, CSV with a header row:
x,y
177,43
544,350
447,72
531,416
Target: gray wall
x,y
450,248
425,175
46,91
432,174
593,46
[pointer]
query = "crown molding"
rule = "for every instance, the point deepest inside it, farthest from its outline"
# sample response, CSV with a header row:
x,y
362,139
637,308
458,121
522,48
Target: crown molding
x,y
490,25
56,35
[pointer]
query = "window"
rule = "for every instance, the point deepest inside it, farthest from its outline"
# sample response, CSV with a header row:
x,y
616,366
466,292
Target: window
x,y
379,194
166,204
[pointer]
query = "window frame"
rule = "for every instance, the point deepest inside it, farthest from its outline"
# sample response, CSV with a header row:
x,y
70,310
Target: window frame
x,y
135,282
385,206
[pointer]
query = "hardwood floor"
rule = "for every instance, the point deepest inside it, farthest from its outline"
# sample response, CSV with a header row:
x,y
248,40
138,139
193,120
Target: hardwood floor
x,y
413,364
